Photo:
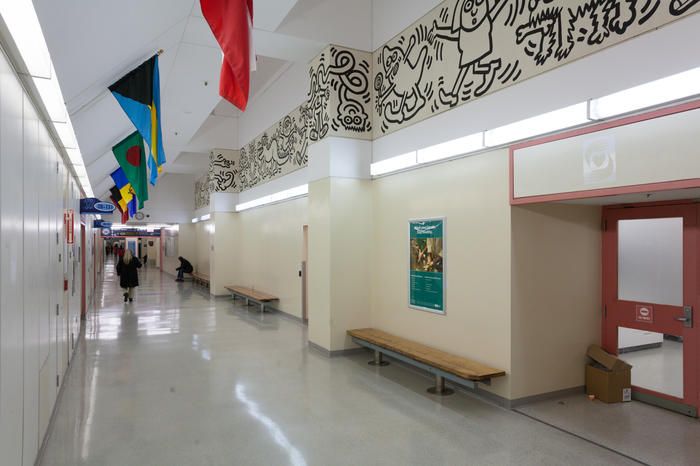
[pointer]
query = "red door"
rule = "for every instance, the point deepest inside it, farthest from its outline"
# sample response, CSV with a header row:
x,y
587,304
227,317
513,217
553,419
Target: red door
x,y
650,290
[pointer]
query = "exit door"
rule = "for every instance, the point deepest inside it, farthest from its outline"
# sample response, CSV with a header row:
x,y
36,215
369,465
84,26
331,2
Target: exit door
x,y
650,290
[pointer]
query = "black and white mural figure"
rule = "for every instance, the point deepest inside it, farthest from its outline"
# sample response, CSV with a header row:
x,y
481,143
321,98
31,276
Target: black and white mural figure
x,y
400,93
223,171
350,75
464,49
472,29
202,193
278,151
339,103
339,98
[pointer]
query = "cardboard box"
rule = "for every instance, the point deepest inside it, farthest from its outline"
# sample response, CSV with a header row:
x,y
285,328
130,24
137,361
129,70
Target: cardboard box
x,y
608,378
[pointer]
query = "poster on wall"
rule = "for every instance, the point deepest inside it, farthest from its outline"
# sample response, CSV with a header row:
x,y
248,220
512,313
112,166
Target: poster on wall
x,y
427,265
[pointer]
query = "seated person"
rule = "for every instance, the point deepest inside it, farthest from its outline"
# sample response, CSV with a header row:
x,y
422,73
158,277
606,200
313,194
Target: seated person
x,y
185,267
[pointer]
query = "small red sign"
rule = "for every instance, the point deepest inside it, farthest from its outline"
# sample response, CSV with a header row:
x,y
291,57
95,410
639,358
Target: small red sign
x,y
644,313
69,221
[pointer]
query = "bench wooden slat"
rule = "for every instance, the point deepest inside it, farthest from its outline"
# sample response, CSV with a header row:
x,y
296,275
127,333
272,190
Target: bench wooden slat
x,y
462,367
251,293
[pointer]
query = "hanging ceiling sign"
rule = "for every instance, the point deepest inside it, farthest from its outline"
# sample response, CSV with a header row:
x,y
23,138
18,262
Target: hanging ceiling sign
x,y
93,205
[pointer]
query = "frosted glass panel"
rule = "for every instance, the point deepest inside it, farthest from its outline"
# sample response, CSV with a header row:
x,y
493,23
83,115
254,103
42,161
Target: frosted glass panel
x,y
650,260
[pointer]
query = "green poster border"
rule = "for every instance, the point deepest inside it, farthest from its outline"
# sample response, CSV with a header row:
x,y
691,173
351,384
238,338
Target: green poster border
x,y
444,265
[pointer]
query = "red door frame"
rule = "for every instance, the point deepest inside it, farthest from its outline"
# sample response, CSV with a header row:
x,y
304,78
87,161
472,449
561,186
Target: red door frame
x,y
621,313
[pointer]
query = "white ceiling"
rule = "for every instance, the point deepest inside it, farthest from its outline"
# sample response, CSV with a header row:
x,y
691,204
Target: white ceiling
x,y
94,43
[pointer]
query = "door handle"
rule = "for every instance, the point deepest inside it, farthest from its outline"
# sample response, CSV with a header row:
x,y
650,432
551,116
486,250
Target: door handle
x,y
687,318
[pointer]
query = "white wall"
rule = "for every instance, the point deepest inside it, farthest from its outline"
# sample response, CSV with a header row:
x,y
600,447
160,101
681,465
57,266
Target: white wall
x,y
283,96
38,321
390,17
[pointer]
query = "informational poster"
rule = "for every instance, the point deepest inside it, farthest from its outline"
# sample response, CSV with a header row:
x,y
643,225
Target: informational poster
x,y
427,267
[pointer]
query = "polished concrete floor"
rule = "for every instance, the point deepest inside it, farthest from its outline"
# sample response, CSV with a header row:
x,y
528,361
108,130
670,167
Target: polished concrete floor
x,y
177,378
647,433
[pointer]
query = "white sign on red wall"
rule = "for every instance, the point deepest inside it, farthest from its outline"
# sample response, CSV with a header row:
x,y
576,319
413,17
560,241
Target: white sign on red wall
x,y
644,313
68,224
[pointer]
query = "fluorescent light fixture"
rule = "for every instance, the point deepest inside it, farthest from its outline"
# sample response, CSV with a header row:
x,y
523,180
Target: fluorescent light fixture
x,y
460,146
195,220
675,87
51,95
542,124
174,227
393,164
299,191
205,217
67,135
23,24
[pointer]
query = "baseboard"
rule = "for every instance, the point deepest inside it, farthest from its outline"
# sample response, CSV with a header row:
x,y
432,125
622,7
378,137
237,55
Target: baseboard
x,y
337,353
518,402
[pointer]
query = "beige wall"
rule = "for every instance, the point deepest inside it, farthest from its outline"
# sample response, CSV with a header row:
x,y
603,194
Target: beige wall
x,y
224,257
262,248
472,193
340,237
203,241
659,150
185,248
556,295
319,263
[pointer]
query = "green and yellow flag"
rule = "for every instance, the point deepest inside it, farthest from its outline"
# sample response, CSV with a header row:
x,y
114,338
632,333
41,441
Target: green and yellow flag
x,y
132,158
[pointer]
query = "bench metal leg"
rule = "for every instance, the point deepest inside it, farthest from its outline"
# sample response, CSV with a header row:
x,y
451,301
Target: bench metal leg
x,y
247,302
262,308
378,360
439,388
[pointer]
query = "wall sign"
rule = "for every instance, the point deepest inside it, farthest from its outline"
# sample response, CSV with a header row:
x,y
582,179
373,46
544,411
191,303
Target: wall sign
x,y
644,313
93,205
427,265
69,225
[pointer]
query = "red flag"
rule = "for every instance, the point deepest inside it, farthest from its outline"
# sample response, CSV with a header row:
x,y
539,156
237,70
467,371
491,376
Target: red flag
x,y
231,21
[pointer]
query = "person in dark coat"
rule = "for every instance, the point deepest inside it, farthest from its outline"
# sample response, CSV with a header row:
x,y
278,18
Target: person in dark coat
x,y
127,269
185,267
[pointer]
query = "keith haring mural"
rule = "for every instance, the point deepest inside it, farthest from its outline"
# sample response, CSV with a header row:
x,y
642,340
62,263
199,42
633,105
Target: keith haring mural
x,y
464,49
339,103
223,171
339,97
280,150
202,193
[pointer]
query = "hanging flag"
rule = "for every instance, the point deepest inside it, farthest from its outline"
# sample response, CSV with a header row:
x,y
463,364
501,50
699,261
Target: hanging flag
x,y
126,191
138,93
231,21
130,155
117,200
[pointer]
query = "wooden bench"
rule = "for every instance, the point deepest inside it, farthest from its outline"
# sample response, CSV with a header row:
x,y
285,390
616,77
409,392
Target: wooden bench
x,y
200,278
250,294
439,363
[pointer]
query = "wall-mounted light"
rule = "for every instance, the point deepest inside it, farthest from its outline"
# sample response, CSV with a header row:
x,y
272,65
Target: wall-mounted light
x,y
675,87
393,164
292,193
453,148
195,220
550,122
205,217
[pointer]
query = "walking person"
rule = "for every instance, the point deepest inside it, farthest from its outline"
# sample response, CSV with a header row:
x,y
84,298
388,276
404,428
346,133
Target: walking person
x,y
127,269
